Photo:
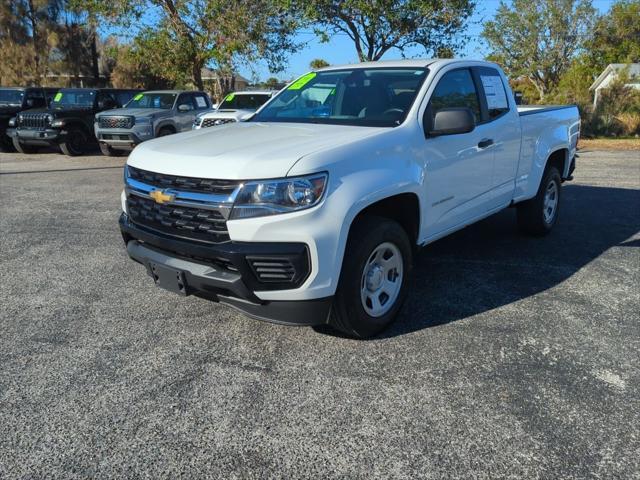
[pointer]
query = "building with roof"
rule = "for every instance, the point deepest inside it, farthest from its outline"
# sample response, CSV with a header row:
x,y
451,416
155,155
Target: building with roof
x,y
611,74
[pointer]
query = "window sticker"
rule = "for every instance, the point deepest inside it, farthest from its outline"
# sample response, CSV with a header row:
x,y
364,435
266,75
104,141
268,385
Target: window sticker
x,y
230,97
58,97
138,96
201,102
493,89
302,81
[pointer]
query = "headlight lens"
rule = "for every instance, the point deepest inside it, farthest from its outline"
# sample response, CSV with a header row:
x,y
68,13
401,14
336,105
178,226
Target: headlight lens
x,y
271,197
197,122
57,122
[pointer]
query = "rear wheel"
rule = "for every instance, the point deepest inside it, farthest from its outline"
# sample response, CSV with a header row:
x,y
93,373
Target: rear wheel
x,y
75,142
539,215
373,283
22,148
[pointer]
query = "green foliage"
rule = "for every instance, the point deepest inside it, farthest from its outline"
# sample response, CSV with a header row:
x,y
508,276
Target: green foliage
x,y
192,34
616,36
318,63
538,39
375,27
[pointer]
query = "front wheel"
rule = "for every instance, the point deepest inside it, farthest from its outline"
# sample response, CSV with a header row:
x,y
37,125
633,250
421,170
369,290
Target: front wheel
x,y
538,215
373,283
75,143
22,148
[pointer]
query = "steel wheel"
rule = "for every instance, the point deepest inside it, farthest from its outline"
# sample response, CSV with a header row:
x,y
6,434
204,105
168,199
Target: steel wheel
x,y
550,202
381,279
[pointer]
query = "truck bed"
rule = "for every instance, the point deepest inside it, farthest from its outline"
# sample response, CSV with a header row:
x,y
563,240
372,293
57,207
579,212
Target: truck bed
x,y
533,109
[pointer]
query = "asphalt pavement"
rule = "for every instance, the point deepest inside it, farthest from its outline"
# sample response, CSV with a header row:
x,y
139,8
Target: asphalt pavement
x,y
513,357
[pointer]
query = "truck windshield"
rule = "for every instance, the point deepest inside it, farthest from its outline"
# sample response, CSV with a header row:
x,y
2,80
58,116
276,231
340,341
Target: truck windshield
x,y
244,101
11,96
71,97
379,97
152,100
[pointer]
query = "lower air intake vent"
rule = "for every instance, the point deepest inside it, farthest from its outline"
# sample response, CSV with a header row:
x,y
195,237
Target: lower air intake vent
x,y
272,269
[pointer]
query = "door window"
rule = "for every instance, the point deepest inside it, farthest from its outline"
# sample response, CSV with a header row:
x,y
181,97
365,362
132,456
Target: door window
x,y
186,99
455,89
494,92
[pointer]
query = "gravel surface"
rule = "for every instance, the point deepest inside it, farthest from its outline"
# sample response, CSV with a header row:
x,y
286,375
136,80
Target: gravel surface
x,y
513,358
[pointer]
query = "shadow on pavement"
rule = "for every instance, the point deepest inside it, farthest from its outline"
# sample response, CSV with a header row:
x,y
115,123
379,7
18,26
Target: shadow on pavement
x,y
490,264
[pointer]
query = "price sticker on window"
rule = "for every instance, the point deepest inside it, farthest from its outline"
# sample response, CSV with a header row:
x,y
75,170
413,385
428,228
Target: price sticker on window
x,y
138,96
302,81
58,97
230,97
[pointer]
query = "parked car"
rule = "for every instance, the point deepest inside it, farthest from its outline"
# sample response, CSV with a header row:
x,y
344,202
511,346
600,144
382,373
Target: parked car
x,y
68,122
235,107
148,115
18,99
312,212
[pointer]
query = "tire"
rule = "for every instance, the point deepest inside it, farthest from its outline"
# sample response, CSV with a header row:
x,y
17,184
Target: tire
x,y
6,145
108,151
22,148
75,143
164,131
538,216
363,277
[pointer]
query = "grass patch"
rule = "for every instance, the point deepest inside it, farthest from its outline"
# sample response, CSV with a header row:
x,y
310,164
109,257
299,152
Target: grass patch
x,y
609,144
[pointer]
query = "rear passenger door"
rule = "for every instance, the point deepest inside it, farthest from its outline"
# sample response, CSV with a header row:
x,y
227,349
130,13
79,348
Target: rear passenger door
x,y
459,167
501,115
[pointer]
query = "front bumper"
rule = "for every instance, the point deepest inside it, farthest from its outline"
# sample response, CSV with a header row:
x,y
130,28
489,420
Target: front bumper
x,y
33,136
224,272
124,139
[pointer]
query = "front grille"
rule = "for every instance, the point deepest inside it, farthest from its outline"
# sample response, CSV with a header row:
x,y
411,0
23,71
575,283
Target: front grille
x,y
272,269
212,122
33,120
116,122
184,184
196,223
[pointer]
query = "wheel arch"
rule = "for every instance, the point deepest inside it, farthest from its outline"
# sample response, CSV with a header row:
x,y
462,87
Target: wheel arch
x,y
165,124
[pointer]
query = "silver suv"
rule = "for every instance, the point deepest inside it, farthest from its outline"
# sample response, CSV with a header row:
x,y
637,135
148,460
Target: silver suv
x,y
148,115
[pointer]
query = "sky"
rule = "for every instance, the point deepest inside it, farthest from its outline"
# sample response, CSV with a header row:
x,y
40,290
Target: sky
x,y
340,49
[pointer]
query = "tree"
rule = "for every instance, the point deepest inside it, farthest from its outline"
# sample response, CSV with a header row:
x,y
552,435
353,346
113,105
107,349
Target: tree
x,y
191,34
318,63
616,36
375,27
539,39
272,83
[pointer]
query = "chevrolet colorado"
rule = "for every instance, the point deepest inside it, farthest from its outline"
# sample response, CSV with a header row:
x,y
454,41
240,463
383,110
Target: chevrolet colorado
x,y
311,212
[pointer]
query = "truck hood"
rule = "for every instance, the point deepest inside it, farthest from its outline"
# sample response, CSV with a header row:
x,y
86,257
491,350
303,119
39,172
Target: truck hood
x,y
242,151
136,112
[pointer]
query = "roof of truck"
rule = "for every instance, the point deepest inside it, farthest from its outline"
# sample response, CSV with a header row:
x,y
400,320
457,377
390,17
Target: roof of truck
x,y
407,63
173,91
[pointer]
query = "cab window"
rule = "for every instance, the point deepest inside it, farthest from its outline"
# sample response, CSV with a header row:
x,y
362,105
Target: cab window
x,y
454,90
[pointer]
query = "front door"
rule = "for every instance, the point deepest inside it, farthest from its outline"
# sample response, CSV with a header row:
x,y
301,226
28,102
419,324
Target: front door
x,y
186,113
458,167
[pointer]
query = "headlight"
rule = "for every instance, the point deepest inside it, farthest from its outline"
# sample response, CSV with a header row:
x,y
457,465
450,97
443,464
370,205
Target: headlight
x,y
12,122
197,122
271,197
58,122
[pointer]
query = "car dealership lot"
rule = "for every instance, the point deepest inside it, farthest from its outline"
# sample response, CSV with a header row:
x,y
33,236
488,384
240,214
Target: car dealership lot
x,y
514,357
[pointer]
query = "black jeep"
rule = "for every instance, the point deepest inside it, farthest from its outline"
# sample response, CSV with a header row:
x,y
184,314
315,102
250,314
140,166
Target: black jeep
x,y
17,99
68,122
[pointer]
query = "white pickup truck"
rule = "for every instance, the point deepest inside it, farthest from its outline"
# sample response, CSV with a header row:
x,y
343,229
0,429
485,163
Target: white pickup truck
x,y
311,212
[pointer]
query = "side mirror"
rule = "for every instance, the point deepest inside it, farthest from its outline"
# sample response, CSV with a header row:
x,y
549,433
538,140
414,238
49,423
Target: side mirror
x,y
183,107
452,121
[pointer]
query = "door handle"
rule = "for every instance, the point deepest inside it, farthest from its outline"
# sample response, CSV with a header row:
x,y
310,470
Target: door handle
x,y
485,142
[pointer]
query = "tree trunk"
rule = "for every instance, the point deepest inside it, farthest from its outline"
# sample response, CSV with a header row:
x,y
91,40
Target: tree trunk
x,y
197,74
95,70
